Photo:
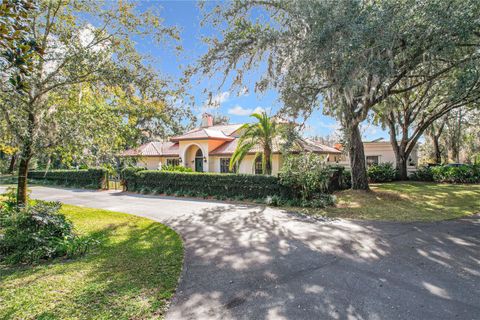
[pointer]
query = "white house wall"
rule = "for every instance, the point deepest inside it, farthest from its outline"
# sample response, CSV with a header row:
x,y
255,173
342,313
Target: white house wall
x,y
212,164
151,163
385,152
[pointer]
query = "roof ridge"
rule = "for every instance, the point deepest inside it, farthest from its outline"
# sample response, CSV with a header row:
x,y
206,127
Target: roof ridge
x,y
154,147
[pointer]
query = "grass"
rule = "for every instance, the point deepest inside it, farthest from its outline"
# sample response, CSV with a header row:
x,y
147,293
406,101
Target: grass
x,y
131,274
406,201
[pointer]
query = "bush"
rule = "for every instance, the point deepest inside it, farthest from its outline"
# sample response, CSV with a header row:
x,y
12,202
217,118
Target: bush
x,y
384,172
37,232
176,169
450,174
347,179
422,174
460,174
90,178
309,176
205,184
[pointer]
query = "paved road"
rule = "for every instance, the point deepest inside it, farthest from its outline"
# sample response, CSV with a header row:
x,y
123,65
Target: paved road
x,y
251,262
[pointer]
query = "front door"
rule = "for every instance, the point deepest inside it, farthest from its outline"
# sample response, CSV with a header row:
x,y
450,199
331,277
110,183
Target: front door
x,y
199,164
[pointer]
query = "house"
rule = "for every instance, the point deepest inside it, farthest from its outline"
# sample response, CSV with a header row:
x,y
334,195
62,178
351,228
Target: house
x,y
210,147
381,151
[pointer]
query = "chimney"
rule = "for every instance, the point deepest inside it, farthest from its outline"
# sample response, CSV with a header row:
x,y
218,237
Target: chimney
x,y
338,146
207,120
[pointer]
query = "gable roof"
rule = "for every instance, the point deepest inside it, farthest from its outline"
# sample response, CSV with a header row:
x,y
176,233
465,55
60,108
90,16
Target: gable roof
x,y
315,146
226,133
228,148
220,132
153,149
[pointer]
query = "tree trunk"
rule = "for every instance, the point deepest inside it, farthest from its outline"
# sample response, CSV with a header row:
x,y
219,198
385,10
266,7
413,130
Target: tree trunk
x,y
402,168
13,161
47,167
22,182
436,150
25,157
399,149
357,159
268,161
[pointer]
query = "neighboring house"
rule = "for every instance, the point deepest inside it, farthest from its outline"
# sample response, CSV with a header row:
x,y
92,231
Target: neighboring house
x,y
381,151
210,147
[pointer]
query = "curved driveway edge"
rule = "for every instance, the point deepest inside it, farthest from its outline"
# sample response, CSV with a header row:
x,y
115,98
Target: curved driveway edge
x,y
252,262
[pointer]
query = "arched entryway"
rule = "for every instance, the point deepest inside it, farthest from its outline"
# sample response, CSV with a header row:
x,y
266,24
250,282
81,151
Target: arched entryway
x,y
199,160
195,158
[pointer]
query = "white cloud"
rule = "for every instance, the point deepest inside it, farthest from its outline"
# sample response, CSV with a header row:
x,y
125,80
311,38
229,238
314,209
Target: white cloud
x,y
240,111
214,102
218,99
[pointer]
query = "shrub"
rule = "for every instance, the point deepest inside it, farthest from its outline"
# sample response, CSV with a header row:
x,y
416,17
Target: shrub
x,y
322,201
460,174
383,172
308,175
206,184
347,179
128,176
422,174
274,201
176,169
37,232
89,178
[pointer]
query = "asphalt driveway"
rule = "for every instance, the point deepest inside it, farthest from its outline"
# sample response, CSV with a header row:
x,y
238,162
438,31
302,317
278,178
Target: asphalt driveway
x,y
252,262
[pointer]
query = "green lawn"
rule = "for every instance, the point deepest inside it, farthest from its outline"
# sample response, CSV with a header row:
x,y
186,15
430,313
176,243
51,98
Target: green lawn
x,y
131,274
407,201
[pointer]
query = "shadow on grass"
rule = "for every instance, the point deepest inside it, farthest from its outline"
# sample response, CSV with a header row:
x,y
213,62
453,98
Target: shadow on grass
x,y
131,274
408,201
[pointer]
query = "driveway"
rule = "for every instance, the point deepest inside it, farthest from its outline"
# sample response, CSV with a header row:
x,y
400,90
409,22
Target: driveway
x,y
252,262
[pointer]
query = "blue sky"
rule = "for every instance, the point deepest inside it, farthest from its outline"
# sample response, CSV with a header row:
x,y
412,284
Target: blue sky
x,y
186,16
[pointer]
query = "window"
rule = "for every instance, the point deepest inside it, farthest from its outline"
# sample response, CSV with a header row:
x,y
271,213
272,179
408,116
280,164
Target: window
x,y
225,164
173,162
258,165
372,160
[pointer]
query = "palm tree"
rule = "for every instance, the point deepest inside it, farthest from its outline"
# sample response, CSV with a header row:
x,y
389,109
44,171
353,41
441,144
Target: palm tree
x,y
263,133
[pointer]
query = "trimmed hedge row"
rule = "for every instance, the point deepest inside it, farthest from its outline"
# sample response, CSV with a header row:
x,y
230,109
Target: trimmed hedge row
x,y
90,178
450,174
206,184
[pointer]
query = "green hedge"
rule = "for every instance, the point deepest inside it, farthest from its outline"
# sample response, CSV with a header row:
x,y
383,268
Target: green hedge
x,y
383,172
462,174
422,174
205,184
450,174
90,178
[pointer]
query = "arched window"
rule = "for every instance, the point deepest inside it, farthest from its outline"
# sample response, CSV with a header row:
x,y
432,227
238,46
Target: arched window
x,y
199,153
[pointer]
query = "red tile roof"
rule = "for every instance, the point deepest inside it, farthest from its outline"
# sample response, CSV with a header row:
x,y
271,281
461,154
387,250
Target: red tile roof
x,y
221,132
305,144
153,149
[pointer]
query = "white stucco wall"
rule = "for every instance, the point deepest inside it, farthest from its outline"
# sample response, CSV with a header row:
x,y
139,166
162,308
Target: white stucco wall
x,y
151,163
247,165
384,151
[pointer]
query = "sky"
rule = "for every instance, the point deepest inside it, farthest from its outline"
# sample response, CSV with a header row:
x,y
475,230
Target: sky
x,y
186,16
